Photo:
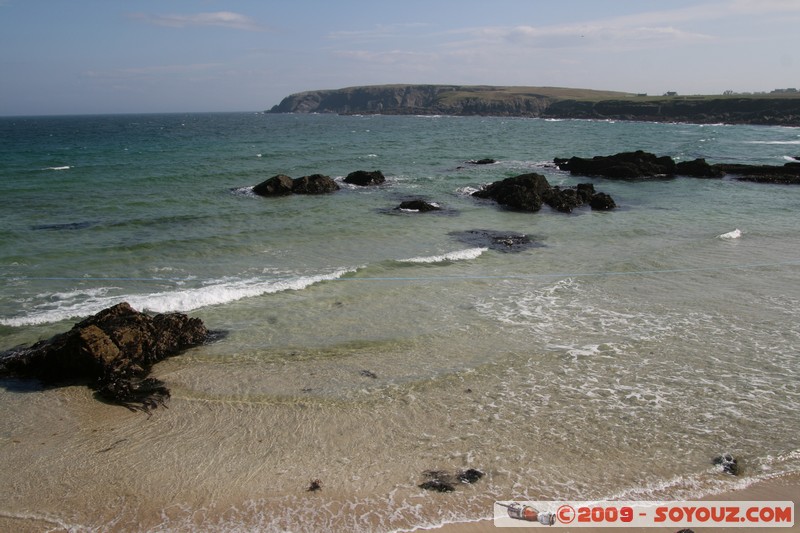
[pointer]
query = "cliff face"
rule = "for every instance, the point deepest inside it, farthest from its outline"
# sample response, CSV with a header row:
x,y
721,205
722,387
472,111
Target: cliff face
x,y
415,99
546,102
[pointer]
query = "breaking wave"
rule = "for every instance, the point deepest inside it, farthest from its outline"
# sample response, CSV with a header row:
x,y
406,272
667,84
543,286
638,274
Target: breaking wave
x,y
69,305
461,255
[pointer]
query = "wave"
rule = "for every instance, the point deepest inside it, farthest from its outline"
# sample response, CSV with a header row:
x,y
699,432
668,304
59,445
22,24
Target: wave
x,y
773,142
735,234
65,306
460,255
65,167
244,191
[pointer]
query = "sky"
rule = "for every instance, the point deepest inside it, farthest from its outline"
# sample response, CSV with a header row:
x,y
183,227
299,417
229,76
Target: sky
x,y
153,56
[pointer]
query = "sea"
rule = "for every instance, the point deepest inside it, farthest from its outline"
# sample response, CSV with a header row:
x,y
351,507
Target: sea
x,y
365,347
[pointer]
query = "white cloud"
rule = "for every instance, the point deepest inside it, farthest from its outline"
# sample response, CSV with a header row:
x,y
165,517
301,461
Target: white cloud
x,y
380,31
387,57
224,19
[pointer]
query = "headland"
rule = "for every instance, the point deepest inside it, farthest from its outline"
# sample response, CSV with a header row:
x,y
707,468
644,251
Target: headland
x,y
775,108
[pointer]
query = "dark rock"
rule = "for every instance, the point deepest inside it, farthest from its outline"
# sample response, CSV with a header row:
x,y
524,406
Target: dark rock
x,y
585,191
314,485
496,240
528,192
625,165
642,165
523,192
364,178
698,168
280,185
728,463
564,200
444,481
470,476
486,161
418,205
788,174
369,374
602,202
111,351
314,184
437,485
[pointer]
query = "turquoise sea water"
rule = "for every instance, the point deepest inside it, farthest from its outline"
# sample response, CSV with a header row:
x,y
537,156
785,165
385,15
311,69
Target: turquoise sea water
x,y
614,360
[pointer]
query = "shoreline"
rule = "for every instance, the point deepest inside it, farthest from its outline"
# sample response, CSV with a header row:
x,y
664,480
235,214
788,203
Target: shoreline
x,y
784,487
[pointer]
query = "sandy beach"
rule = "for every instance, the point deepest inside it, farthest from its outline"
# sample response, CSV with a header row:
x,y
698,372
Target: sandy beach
x,y
784,488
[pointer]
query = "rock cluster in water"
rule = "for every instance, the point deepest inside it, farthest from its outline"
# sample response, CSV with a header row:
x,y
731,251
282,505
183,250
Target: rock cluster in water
x,y
282,185
644,165
528,192
113,352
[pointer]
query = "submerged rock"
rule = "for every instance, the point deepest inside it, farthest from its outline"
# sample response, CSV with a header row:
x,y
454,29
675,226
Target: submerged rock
x,y
500,241
445,481
418,205
485,161
111,351
470,476
728,463
364,178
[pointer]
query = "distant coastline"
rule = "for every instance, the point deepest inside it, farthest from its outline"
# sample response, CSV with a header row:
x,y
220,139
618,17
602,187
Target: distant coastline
x,y
777,109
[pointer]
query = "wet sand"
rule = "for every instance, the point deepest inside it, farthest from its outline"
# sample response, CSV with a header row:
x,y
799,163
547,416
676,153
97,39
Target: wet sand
x,y
784,488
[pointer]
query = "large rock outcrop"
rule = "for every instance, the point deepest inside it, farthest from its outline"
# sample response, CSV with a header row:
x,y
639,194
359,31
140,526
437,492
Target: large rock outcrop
x,y
528,192
625,165
112,351
644,165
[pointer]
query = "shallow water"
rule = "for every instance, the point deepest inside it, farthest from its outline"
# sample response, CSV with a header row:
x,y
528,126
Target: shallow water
x,y
367,345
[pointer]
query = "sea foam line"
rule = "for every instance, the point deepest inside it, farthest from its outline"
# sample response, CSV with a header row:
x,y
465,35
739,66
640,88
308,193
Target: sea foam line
x,y
185,300
460,255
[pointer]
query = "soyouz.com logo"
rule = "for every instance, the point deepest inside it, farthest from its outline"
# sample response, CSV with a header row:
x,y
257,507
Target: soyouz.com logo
x,y
644,514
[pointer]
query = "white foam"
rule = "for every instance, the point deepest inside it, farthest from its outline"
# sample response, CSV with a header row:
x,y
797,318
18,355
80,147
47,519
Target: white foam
x,y
460,255
217,293
58,168
244,191
735,234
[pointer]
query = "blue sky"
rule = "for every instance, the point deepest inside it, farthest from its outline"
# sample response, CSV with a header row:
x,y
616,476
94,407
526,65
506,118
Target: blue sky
x,y
114,56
